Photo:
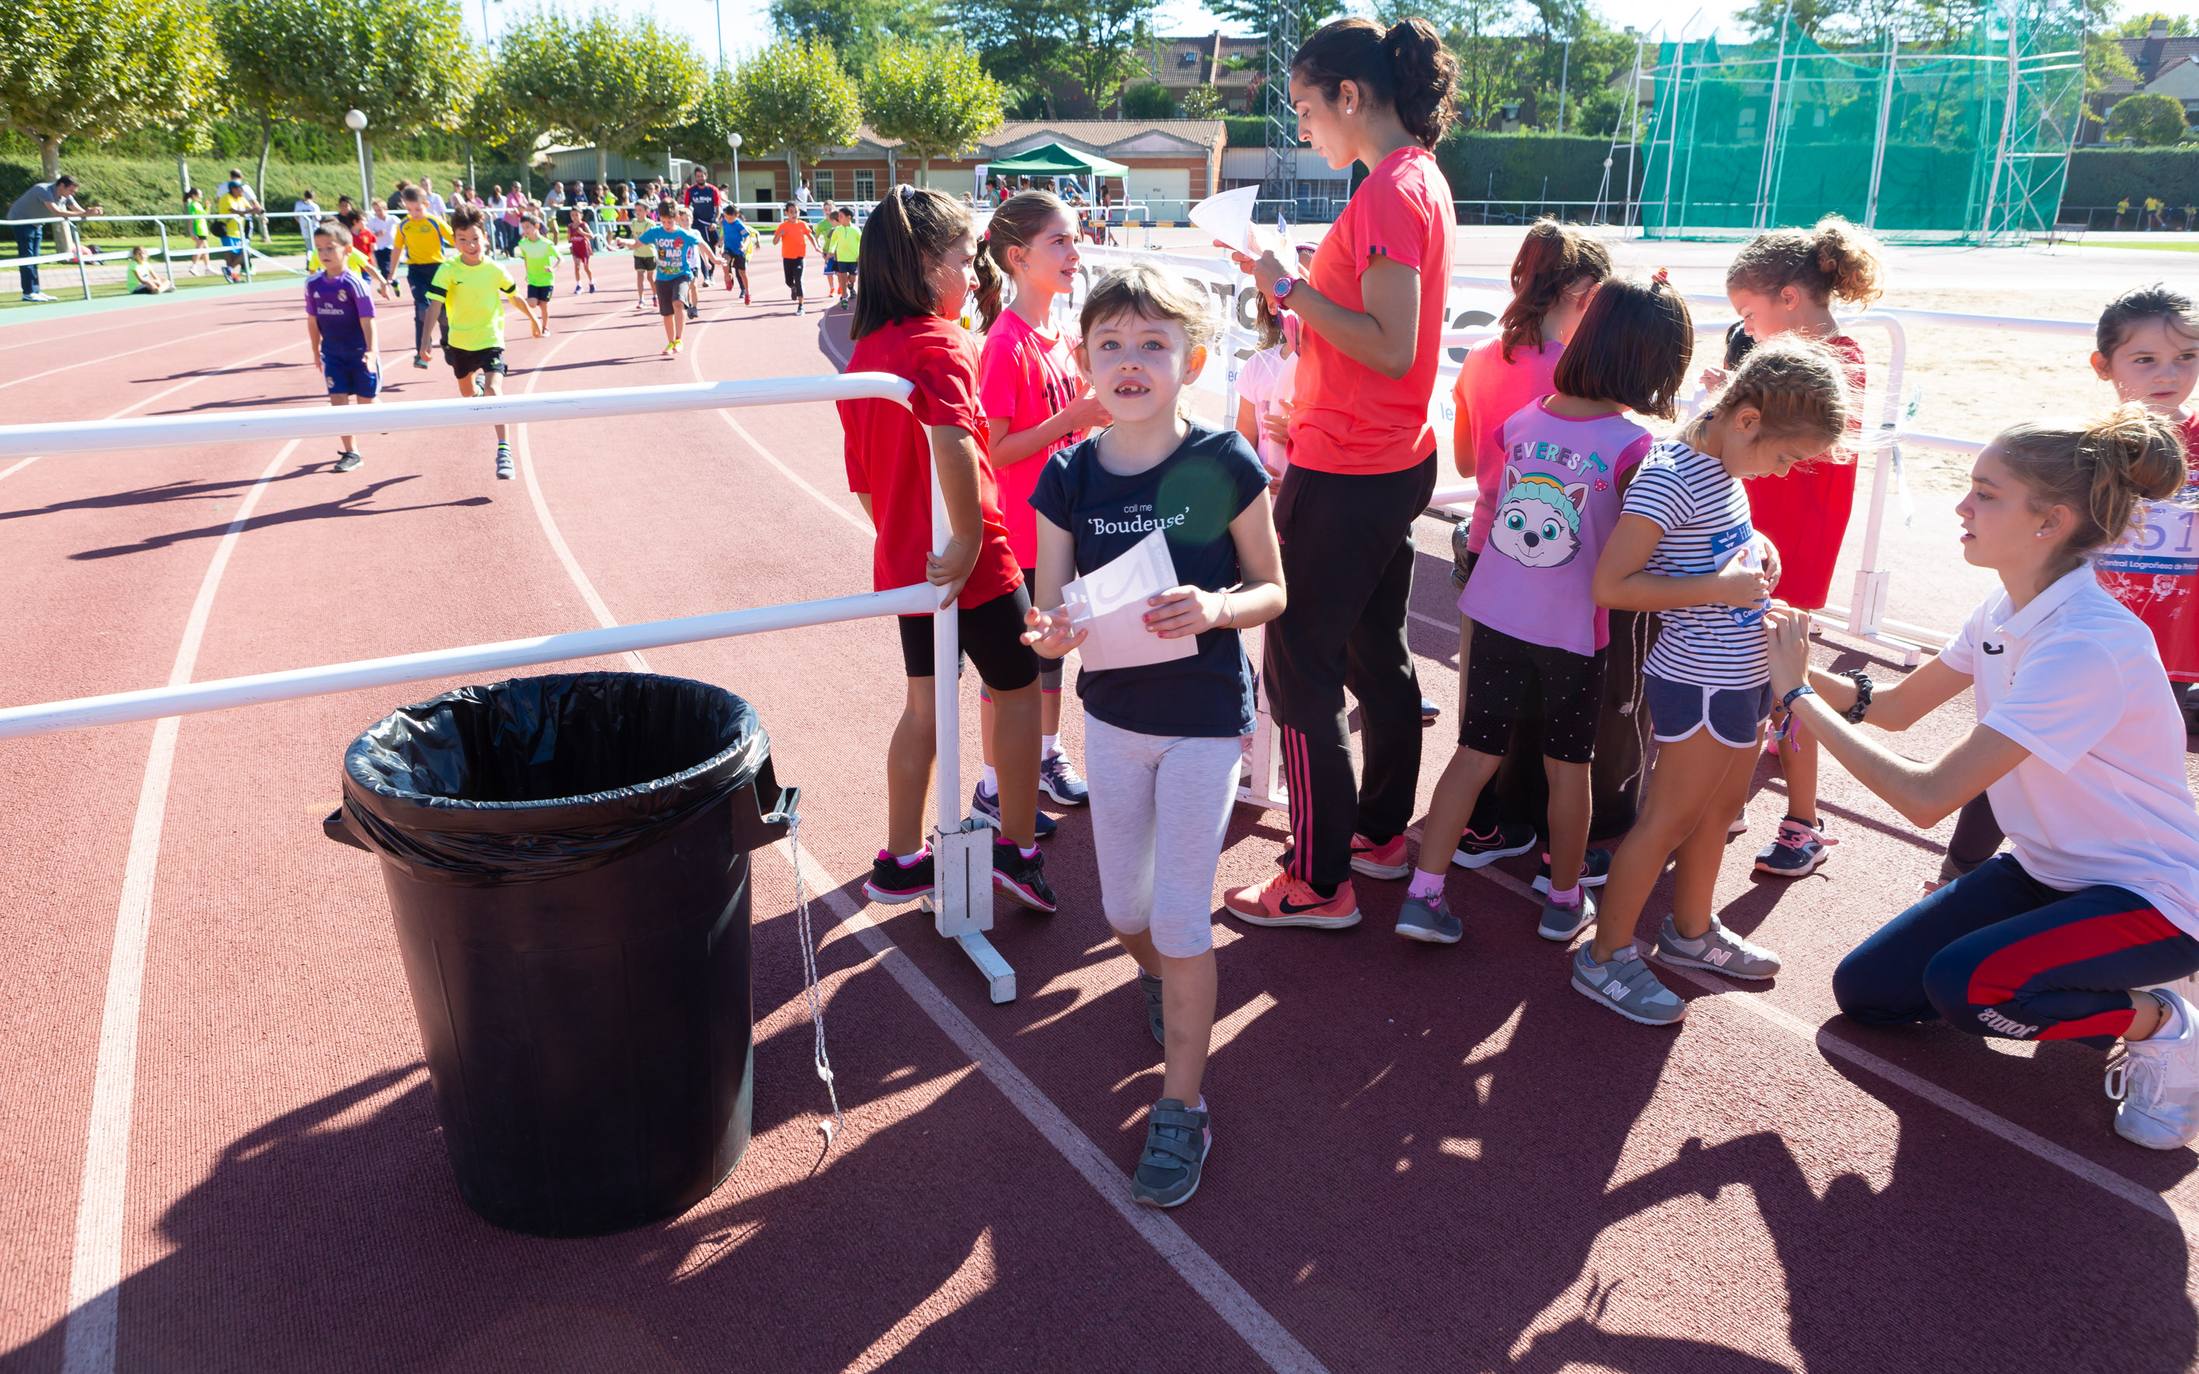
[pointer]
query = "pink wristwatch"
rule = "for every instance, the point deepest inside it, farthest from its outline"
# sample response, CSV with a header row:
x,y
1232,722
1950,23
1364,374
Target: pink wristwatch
x,y
1284,285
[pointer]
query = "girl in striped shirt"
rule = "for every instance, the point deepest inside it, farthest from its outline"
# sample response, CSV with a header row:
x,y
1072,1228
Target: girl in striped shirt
x,y
1685,548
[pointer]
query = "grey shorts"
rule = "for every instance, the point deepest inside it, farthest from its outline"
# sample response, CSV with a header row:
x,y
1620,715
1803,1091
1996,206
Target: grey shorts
x,y
1731,714
1160,809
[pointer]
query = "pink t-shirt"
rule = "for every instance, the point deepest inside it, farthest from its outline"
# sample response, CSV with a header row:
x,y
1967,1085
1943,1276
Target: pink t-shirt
x,y
1025,378
1557,503
1347,417
1489,392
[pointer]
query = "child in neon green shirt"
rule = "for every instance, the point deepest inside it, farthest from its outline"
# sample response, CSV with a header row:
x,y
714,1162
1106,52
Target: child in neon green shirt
x,y
539,252
474,291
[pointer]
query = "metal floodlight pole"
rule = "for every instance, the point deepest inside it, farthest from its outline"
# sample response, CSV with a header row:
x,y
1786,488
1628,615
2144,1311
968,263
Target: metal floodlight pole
x,y
733,141
356,121
1565,67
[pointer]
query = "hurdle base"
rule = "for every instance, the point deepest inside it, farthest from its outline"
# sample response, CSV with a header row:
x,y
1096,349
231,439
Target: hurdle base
x,y
962,902
1000,979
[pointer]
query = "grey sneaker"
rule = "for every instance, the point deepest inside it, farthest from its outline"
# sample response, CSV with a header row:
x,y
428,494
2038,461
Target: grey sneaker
x,y
1430,923
348,460
1562,923
1628,986
1151,987
1720,951
1177,1142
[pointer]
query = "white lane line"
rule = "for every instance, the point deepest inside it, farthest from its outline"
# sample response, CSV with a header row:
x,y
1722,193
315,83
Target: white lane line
x,y
1201,1271
1992,1123
95,1270
854,518
21,463
117,357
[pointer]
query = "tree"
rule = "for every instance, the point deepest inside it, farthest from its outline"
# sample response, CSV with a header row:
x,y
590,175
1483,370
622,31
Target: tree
x,y
80,69
1148,100
794,98
934,96
2146,120
1020,43
2139,25
534,73
406,64
269,48
1257,15
1200,102
856,29
1100,42
628,82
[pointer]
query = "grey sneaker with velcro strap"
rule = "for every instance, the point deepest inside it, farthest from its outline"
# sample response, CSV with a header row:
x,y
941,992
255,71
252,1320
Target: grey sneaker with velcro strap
x,y
1177,1140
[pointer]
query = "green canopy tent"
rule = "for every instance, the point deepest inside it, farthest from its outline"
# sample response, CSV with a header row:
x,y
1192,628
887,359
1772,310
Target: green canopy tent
x,y
1054,160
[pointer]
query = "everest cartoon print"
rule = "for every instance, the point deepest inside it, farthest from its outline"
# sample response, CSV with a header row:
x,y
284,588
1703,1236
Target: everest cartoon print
x,y
1538,520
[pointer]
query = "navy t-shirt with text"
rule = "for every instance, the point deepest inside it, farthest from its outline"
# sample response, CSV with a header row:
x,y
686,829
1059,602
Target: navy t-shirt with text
x,y
1193,494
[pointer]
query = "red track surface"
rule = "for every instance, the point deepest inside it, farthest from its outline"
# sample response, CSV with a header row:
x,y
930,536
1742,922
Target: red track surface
x,y
1426,1158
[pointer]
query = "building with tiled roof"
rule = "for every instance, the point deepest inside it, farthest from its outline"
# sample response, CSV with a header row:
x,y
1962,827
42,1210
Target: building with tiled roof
x,y
1182,63
2166,66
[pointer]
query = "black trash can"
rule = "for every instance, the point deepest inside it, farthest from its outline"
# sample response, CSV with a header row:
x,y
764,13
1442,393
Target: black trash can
x,y
567,863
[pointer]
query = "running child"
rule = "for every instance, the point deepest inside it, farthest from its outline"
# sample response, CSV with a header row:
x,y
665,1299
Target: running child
x,y
362,254
1036,405
645,258
1163,740
676,247
144,281
422,240
340,328
847,254
699,272
474,291
539,253
1540,636
1784,282
920,249
738,233
828,229
793,237
194,205
1685,549
579,244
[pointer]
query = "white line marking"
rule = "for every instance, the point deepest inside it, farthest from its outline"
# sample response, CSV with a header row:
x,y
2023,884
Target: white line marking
x,y
1201,1271
95,1271
116,357
1992,1123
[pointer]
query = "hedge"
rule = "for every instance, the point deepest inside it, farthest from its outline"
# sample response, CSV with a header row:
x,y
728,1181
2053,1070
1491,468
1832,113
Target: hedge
x,y
2103,176
147,186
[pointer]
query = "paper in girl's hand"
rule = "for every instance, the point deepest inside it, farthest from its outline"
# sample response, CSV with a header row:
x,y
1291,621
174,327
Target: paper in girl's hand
x,y
1229,218
1109,605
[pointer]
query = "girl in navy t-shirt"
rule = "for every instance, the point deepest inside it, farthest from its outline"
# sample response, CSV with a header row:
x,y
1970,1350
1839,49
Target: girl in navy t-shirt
x,y
1162,739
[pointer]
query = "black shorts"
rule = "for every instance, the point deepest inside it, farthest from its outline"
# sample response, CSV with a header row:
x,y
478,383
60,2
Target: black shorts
x,y
847,269
464,362
540,293
793,269
738,260
1509,681
671,293
991,638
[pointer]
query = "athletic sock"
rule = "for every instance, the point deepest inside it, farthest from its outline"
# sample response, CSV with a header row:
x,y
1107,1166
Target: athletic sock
x,y
2172,1019
1425,887
1049,746
1570,896
923,852
1030,853
992,780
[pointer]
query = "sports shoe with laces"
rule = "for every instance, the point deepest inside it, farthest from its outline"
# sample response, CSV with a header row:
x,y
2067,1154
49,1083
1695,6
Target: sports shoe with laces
x,y
1058,778
1177,1142
1479,851
985,806
1595,870
1627,985
348,460
1429,922
1023,877
1390,859
1286,900
2155,1083
894,881
504,469
1562,923
1798,851
1719,950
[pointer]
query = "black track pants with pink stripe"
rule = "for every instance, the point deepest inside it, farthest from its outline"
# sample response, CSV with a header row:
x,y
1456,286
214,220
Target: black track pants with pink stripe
x,y
1348,564
1999,953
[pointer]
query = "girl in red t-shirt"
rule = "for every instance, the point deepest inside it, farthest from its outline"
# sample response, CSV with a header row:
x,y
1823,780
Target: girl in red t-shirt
x,y
1036,404
917,252
1785,282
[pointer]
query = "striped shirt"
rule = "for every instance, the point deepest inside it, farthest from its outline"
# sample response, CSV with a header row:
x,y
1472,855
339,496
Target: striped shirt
x,y
1704,513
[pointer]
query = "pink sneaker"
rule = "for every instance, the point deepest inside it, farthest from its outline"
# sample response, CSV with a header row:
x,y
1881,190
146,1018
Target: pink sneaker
x,y
1390,860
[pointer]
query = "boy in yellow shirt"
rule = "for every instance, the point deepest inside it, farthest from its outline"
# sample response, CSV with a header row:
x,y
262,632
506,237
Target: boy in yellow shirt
x,y
474,291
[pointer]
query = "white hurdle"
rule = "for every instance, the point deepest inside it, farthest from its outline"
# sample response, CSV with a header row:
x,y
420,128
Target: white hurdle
x,y
964,903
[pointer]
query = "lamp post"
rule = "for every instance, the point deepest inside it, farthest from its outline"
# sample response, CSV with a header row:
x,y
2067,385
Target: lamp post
x,y
733,141
356,121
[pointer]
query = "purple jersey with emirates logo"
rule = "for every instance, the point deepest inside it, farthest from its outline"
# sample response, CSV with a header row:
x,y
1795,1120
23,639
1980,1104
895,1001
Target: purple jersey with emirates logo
x,y
338,304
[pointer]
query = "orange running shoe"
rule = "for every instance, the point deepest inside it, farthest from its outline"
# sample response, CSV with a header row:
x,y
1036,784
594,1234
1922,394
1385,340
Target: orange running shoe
x,y
1284,900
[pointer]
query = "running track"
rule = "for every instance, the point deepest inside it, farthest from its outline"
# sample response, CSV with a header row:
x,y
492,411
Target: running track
x,y
1438,1159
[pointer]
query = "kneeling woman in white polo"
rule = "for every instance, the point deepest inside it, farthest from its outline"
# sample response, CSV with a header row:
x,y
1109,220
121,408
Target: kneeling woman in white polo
x,y
2079,742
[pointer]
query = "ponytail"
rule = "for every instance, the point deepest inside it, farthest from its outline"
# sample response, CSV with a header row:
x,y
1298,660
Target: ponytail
x,y
2098,470
1405,67
1552,259
1833,260
1016,224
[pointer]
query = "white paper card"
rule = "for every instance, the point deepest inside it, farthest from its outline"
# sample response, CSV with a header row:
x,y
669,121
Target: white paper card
x,y
1229,218
1108,603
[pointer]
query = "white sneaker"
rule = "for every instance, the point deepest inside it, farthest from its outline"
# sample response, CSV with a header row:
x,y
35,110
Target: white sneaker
x,y
2156,1083
38,296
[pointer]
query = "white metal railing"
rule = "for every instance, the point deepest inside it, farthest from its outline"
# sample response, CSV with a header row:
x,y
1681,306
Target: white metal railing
x,y
77,248
962,906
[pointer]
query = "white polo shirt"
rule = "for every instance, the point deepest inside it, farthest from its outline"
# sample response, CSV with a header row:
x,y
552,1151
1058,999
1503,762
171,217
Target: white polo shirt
x,y
2075,678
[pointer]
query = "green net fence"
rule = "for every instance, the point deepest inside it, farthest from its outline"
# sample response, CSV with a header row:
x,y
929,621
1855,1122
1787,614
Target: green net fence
x,y
1957,141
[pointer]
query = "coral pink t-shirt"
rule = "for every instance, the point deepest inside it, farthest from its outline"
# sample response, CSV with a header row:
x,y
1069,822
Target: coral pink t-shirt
x,y
1489,392
1347,417
1025,378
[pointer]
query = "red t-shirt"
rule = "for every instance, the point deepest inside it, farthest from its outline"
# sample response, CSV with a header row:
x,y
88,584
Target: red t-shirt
x,y
889,453
1025,378
362,239
1805,513
1347,417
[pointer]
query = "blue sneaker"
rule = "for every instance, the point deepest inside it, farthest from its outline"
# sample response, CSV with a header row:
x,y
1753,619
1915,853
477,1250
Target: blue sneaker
x,y
1058,778
985,806
1627,985
1431,923
1177,1140
1595,870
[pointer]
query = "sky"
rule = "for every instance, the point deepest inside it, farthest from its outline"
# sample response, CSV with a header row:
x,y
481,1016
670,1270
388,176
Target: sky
x,y
748,22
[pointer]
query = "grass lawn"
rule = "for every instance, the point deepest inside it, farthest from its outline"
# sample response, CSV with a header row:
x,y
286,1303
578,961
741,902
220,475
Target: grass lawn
x,y
60,281
2188,246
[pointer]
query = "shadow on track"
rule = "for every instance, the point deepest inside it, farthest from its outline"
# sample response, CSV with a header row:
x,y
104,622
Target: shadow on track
x,y
344,507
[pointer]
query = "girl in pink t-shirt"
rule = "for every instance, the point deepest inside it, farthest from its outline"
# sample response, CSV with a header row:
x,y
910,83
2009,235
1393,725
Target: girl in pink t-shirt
x,y
1036,404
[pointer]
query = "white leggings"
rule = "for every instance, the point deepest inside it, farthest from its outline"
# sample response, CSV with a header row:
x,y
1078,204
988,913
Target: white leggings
x,y
1160,805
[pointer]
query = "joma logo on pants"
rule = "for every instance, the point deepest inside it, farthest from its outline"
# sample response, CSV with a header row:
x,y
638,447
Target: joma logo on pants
x,y
2000,1024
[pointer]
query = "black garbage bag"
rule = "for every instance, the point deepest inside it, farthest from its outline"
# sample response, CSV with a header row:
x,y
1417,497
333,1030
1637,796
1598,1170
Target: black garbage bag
x,y
567,864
